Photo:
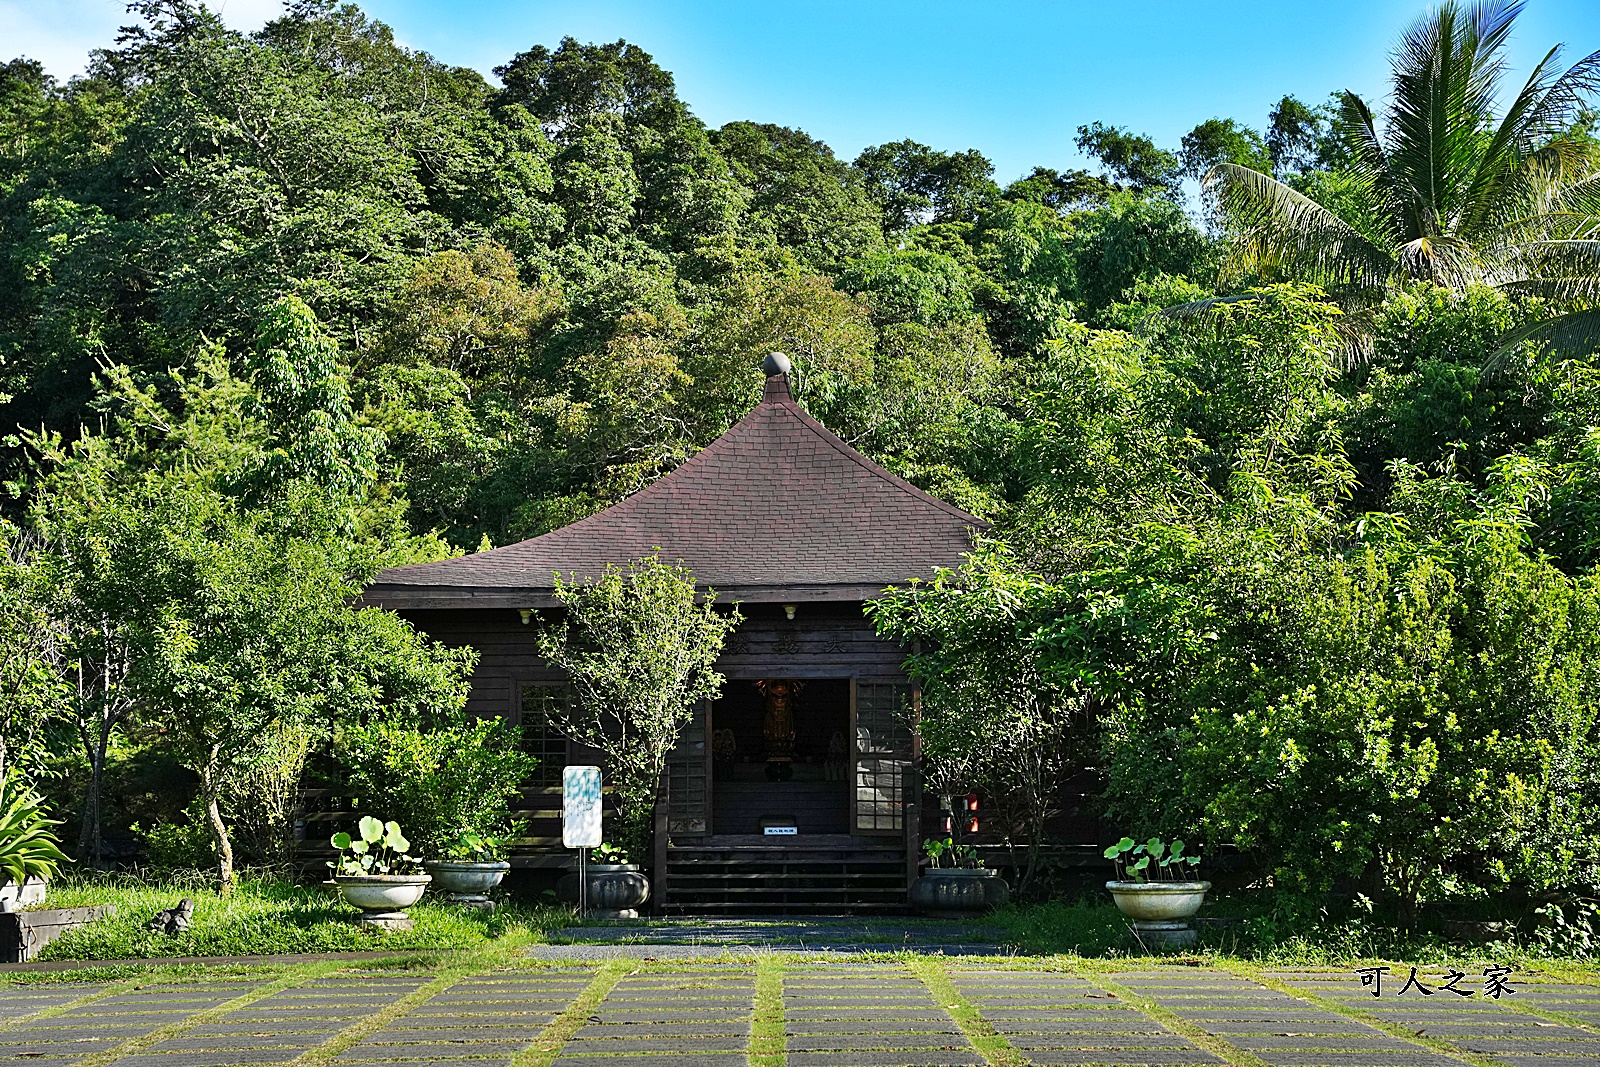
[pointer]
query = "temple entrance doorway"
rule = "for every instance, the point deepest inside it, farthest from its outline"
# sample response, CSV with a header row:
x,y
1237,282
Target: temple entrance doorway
x,y
780,754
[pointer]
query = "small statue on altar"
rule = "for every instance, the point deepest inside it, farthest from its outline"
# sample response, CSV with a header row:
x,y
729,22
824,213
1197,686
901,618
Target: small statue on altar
x,y
777,728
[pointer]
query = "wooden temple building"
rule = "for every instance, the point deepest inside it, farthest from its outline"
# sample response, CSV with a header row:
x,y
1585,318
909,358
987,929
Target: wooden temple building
x,y
783,517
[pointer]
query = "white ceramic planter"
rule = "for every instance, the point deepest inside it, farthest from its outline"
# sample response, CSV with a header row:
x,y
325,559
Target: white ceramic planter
x,y
464,882
382,893
1160,910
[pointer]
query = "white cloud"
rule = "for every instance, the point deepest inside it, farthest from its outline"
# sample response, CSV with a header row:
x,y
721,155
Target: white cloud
x,y
60,33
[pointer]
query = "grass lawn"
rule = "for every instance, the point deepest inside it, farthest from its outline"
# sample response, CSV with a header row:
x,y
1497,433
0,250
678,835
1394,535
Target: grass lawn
x,y
1251,936
266,916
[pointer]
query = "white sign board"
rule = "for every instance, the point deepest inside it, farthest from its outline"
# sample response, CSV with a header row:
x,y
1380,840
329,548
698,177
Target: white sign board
x,y
580,807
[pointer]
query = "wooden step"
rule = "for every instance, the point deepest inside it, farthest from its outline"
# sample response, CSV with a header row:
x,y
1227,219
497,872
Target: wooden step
x,y
819,875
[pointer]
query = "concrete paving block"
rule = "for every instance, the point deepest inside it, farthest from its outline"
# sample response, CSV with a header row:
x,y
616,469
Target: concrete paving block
x,y
1130,1058
1130,1024
652,1044
1303,1042
449,1050
878,1042
707,1059
234,1042
930,1024
241,1058
1588,1044
732,1028
1325,1058
1224,1027
710,1018
228,1025
1102,1041
887,1058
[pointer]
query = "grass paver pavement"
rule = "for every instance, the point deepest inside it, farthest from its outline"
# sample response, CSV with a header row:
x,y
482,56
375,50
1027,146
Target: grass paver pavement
x,y
1507,1030
695,1016
1277,1028
844,1015
780,1010
1057,1018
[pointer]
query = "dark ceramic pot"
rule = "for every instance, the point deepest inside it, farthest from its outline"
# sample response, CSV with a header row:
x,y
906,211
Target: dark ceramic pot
x,y
616,890
946,891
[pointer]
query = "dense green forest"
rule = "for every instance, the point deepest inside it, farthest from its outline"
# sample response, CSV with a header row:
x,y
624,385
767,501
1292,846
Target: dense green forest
x,y
1289,434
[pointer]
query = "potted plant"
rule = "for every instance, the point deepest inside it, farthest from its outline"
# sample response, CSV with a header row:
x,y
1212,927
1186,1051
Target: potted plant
x,y
956,881
616,888
29,852
376,873
1150,890
474,863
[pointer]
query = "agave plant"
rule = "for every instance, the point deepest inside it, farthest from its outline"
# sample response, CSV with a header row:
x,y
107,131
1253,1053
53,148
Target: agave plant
x,y
27,845
1444,189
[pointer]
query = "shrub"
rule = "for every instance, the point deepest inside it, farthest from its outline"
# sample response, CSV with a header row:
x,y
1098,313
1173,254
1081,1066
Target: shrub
x,y
439,783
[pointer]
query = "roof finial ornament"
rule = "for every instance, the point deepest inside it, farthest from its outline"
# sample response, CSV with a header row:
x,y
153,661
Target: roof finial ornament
x,y
776,363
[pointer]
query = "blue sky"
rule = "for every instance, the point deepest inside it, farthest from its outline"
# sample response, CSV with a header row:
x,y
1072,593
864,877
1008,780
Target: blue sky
x,y
1011,79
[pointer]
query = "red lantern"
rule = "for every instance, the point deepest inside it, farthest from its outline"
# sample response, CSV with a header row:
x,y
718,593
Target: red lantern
x,y
972,807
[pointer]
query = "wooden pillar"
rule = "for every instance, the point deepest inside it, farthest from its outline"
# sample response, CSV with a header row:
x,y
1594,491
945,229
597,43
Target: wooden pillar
x,y
658,870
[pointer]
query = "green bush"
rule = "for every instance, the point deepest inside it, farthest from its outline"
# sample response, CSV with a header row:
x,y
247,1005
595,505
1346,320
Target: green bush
x,y
1418,712
441,783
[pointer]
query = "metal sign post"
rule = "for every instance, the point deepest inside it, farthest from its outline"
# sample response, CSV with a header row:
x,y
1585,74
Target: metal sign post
x,y
580,821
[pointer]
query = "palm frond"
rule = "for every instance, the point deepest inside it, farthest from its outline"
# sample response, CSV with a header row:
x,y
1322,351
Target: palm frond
x,y
1531,142
1278,225
1447,68
1354,327
1572,335
1195,308
1369,163
1441,259
1564,270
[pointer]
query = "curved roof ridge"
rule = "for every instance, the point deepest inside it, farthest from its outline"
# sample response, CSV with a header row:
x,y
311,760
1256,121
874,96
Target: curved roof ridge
x,y
813,424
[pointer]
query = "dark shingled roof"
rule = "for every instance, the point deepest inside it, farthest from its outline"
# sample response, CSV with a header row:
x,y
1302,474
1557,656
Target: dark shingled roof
x,y
775,507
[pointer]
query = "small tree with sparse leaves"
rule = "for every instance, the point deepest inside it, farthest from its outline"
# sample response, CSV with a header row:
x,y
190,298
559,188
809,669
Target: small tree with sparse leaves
x,y
637,645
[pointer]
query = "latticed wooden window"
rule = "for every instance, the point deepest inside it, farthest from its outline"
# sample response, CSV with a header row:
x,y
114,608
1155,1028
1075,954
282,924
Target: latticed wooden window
x,y
882,756
539,737
686,778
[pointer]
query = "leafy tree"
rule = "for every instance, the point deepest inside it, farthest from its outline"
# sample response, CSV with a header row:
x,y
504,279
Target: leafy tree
x,y
989,719
209,611
914,183
910,286
31,690
1132,239
1222,141
1298,137
810,202
1073,190
637,647
1444,191
630,155
1131,160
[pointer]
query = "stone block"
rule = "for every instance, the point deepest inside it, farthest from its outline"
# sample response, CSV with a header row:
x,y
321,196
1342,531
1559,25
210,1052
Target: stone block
x,y
885,1058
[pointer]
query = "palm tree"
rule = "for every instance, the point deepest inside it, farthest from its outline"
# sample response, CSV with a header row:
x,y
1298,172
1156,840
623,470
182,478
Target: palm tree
x,y
1444,191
